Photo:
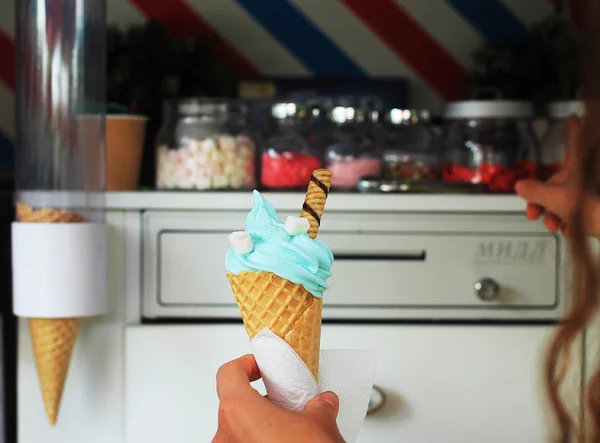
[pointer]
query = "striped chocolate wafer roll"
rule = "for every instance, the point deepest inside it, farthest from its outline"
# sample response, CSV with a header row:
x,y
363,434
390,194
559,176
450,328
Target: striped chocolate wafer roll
x,y
314,202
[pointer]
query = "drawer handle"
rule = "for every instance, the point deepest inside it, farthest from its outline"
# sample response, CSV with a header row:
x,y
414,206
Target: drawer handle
x,y
376,401
407,256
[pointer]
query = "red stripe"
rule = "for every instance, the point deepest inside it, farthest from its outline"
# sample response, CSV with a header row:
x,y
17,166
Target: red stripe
x,y
180,18
7,66
410,41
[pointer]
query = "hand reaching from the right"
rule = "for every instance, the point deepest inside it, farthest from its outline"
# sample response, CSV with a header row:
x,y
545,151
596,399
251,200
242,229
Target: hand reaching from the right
x,y
554,200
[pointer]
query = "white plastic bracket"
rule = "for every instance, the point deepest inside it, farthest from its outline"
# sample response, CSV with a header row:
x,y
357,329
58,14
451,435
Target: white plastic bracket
x,y
59,269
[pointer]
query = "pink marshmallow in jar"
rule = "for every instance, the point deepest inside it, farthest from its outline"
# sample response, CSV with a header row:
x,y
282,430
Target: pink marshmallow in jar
x,y
349,170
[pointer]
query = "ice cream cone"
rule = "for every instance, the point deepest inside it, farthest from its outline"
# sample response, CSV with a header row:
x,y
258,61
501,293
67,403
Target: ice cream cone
x,y
291,312
53,342
53,339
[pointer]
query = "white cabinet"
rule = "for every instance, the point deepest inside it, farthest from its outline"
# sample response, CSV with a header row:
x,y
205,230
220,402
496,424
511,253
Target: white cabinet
x,y
135,383
170,380
463,384
402,254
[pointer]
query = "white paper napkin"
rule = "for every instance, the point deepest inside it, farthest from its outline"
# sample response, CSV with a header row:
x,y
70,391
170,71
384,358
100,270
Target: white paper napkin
x,y
290,384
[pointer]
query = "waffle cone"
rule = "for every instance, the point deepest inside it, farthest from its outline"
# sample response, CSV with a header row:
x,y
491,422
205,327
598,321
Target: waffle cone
x,y
287,309
26,213
53,339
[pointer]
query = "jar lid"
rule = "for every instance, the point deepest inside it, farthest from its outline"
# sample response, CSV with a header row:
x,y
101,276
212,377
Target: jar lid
x,y
202,106
393,156
407,116
349,114
564,109
284,110
488,109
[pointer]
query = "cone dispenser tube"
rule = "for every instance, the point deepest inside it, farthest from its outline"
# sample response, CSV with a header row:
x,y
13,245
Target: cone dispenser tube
x,y
60,233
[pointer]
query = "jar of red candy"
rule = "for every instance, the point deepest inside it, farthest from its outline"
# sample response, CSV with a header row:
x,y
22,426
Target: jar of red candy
x,y
554,141
410,153
292,150
489,143
352,152
205,146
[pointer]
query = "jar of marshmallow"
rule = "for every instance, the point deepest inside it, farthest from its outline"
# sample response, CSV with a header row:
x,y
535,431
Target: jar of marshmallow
x,y
352,151
205,144
293,148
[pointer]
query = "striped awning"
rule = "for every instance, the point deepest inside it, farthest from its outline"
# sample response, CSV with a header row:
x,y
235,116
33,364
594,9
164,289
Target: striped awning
x,y
428,42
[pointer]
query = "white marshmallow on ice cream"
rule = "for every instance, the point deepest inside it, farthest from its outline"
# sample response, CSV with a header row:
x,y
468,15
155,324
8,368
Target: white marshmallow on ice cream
x,y
296,225
241,242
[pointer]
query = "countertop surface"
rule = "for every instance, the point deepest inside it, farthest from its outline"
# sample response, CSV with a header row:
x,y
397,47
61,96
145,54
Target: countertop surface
x,y
291,201
341,202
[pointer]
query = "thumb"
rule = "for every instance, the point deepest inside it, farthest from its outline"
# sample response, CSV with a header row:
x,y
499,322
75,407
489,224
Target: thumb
x,y
326,404
539,193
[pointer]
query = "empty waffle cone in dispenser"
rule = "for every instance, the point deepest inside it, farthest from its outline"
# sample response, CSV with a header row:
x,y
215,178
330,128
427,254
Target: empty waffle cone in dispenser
x,y
53,339
26,213
290,311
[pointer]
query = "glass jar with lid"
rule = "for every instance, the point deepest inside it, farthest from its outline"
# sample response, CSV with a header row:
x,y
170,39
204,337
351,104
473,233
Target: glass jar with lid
x,y
409,153
293,146
489,143
165,136
205,144
554,141
352,150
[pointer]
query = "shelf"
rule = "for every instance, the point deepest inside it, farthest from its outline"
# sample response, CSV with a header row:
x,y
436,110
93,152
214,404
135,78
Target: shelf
x,y
291,201
341,202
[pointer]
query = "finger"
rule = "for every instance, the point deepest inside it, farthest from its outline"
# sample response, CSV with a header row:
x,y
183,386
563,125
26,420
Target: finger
x,y
326,404
573,140
222,436
533,212
552,222
536,192
235,377
559,177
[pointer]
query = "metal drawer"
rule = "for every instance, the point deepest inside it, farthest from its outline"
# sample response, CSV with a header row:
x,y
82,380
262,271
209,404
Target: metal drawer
x,y
402,266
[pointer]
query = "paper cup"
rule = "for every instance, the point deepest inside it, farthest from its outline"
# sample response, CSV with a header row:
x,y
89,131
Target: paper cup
x,y
124,144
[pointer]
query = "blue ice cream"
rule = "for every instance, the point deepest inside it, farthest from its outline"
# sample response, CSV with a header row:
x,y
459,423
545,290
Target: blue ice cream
x,y
297,258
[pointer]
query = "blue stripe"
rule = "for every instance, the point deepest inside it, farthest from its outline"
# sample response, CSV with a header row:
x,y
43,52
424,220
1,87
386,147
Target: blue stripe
x,y
6,152
491,18
301,37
